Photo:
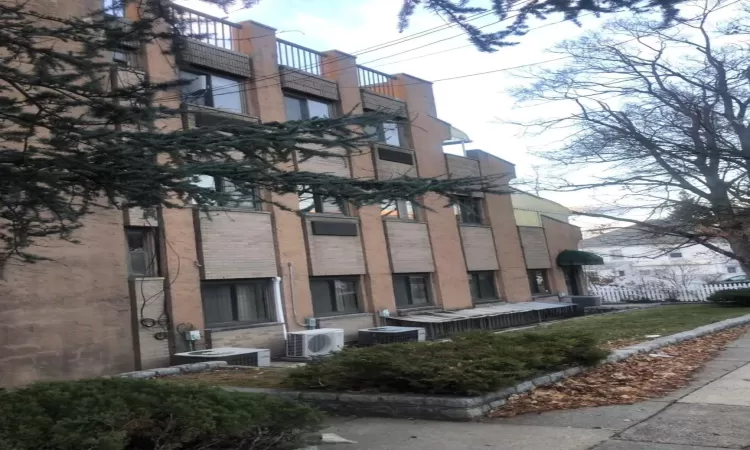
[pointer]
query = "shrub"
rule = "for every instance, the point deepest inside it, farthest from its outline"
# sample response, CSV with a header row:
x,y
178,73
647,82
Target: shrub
x,y
469,364
121,414
731,297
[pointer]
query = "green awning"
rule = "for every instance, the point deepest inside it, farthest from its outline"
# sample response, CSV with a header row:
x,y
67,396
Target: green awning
x,y
578,258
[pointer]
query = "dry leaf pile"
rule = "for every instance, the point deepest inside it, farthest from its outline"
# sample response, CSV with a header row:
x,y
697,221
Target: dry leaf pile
x,y
635,379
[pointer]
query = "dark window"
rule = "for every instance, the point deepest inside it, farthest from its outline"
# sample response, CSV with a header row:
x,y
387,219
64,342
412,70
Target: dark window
x,y
213,90
300,108
538,281
482,285
231,303
127,57
334,295
620,273
675,255
316,203
233,198
390,133
469,210
731,269
142,256
401,209
411,290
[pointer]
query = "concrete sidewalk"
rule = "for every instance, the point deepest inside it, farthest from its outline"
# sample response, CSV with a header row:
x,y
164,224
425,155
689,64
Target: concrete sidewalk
x,y
712,413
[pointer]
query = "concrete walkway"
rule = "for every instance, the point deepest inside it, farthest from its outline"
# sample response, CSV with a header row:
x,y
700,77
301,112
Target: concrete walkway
x,y
712,413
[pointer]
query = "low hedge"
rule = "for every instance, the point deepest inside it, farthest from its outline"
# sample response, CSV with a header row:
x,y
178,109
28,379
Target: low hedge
x,y
121,414
469,364
731,297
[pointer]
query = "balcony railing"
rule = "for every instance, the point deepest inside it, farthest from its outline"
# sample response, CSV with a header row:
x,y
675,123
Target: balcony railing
x,y
376,82
299,57
208,29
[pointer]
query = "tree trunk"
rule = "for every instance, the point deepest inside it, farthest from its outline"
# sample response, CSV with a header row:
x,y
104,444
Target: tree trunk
x,y
740,245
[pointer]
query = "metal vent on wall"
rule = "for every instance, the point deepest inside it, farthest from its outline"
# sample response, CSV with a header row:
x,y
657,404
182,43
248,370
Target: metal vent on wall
x,y
334,228
387,154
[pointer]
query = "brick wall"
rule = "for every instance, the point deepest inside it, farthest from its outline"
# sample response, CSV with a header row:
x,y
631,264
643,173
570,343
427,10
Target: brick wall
x,y
409,247
216,58
307,83
335,255
351,324
376,102
270,336
534,245
561,236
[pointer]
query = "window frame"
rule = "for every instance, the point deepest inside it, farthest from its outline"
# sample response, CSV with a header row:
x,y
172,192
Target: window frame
x,y
621,273
319,201
150,244
331,280
731,269
379,134
474,281
463,213
401,210
208,97
305,111
263,284
675,255
532,285
220,186
410,299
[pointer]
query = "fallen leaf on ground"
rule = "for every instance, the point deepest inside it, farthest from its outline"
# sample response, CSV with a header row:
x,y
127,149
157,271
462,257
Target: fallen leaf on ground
x,y
630,381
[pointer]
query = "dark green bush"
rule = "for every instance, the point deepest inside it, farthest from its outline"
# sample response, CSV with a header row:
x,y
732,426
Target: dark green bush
x,y
469,364
120,414
731,297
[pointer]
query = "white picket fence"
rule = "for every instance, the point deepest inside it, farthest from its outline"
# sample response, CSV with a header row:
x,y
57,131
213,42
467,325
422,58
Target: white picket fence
x,y
616,294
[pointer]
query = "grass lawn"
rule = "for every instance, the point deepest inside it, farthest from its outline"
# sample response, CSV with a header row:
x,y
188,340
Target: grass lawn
x,y
635,325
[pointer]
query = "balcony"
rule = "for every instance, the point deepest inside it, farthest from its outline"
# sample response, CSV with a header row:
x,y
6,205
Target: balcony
x,y
300,69
379,92
207,29
298,57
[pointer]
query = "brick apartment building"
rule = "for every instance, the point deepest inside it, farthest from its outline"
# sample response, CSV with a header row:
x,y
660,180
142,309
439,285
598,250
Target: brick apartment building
x,y
122,299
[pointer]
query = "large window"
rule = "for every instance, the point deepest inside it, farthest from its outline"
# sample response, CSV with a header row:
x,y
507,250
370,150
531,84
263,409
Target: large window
x,y
213,90
335,295
316,203
237,302
411,290
142,256
233,198
482,286
300,108
398,209
538,281
469,210
114,7
390,133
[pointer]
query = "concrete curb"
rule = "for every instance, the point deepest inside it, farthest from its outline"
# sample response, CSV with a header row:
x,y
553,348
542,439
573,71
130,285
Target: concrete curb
x,y
173,370
468,408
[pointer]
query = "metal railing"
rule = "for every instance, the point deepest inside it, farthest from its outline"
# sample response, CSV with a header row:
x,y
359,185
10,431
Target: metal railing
x,y
211,30
299,57
377,82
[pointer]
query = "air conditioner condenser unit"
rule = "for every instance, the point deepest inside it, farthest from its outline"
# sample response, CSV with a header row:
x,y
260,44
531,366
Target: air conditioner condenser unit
x,y
390,335
234,356
309,343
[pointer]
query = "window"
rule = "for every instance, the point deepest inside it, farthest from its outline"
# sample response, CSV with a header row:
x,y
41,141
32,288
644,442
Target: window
x,y
538,281
232,303
482,286
616,254
469,210
411,290
398,209
620,273
390,133
335,295
114,8
316,203
300,108
731,269
142,256
644,272
675,255
127,57
232,198
212,90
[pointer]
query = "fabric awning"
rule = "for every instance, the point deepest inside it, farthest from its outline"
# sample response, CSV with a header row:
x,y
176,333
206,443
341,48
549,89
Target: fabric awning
x,y
578,258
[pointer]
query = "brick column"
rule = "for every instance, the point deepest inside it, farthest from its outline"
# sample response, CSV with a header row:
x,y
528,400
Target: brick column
x,y
514,286
342,68
428,134
289,238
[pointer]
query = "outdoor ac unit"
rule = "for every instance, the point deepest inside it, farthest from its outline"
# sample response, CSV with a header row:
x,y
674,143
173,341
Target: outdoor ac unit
x,y
258,357
390,335
308,343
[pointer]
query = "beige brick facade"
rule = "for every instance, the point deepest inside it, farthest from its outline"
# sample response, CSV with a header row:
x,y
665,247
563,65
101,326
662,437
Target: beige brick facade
x,y
79,315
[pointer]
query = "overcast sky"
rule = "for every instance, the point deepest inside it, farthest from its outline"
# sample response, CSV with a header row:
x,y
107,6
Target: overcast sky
x,y
473,104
